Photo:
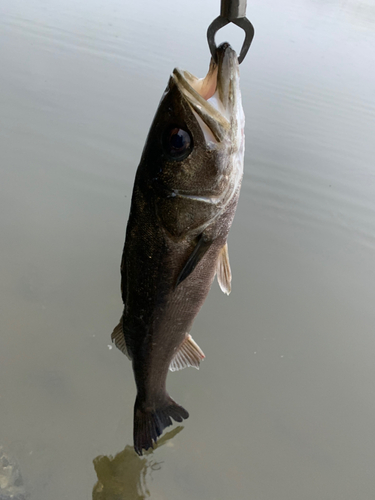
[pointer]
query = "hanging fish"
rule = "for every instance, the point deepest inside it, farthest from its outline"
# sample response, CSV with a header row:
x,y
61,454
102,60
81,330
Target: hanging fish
x,y
184,199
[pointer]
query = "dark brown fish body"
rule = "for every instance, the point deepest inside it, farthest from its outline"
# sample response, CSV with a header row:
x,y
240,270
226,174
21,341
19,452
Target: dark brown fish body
x,y
184,199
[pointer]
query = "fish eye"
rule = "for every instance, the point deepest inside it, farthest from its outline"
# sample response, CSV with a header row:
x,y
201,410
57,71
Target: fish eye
x,y
178,143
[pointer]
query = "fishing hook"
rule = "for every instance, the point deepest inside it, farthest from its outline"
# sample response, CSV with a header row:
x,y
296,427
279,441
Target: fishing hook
x,y
232,11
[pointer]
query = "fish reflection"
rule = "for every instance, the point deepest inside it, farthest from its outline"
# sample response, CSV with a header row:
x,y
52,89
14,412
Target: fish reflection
x,y
124,477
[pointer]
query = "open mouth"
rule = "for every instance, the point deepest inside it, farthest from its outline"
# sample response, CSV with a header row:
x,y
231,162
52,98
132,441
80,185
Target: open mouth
x,y
210,97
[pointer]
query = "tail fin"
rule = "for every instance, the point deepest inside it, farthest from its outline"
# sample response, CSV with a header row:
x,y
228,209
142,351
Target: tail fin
x,y
150,423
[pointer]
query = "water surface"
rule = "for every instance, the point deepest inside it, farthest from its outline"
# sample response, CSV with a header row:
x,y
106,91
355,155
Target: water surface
x,y
284,405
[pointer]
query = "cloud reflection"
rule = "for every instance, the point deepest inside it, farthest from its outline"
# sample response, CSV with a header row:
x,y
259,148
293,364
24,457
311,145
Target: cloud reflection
x,y
124,477
360,12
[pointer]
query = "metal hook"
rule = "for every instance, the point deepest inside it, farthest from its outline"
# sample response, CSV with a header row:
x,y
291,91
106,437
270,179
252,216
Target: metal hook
x,y
232,11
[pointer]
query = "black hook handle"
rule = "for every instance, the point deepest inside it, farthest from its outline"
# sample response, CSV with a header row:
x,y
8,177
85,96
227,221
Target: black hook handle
x,y
232,11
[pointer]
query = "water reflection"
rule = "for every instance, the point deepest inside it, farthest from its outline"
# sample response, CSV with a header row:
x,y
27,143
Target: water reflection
x,y
290,353
11,483
361,13
124,477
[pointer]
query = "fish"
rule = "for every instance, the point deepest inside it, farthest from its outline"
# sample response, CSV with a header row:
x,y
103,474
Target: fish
x,y
184,199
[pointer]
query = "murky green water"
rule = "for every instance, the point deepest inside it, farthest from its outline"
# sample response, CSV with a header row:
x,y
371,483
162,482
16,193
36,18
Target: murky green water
x,y
283,407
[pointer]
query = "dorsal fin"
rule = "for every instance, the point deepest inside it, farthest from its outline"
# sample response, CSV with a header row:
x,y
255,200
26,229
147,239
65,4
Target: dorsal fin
x,y
189,354
224,274
118,338
199,251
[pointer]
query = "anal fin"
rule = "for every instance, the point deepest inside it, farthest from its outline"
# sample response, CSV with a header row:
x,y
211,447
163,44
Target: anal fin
x,y
189,354
224,274
118,338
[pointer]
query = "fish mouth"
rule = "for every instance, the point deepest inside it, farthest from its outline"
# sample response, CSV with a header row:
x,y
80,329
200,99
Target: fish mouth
x,y
214,99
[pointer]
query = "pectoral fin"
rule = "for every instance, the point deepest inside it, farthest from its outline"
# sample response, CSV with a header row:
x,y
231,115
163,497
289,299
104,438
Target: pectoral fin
x,y
189,354
224,274
199,251
118,338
